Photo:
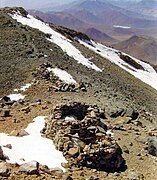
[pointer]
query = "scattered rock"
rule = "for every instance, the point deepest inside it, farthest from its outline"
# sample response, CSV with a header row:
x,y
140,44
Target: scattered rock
x,y
9,146
30,168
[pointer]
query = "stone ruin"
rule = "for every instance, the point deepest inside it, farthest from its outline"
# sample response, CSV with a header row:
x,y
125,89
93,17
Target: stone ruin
x,y
80,132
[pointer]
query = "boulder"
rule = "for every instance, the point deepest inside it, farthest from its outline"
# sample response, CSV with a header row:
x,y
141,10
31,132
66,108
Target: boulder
x,y
130,112
5,113
23,133
54,170
25,109
4,171
152,146
6,99
117,113
9,146
30,168
92,114
73,151
20,133
1,154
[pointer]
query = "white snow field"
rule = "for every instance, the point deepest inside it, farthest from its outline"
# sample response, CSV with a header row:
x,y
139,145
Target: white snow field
x,y
148,75
62,75
57,38
32,147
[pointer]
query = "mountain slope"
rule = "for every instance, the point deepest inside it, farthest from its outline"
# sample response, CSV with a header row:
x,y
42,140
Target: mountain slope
x,y
36,55
75,87
140,47
145,7
98,35
60,18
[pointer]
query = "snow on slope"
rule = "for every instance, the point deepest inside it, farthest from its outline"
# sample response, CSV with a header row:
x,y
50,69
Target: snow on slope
x,y
24,87
56,38
16,97
148,75
32,147
63,75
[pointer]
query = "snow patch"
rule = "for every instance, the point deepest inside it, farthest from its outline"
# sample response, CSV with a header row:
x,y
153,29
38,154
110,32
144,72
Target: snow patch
x,y
148,75
62,75
123,27
57,38
32,147
16,97
70,118
25,87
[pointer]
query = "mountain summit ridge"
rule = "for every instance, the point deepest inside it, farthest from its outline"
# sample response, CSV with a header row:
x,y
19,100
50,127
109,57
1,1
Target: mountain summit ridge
x,y
91,105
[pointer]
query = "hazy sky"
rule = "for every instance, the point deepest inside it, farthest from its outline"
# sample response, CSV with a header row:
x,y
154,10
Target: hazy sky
x,y
32,3
40,4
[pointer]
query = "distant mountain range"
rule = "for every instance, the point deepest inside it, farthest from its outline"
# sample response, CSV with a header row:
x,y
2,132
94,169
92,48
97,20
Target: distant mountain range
x,y
103,13
106,21
147,8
